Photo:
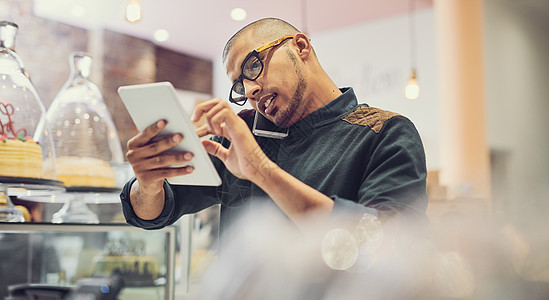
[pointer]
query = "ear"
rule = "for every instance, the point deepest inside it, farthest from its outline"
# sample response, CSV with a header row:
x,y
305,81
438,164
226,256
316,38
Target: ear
x,y
303,44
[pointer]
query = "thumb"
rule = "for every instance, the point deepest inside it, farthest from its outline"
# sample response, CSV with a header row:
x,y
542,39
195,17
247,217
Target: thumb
x,y
215,149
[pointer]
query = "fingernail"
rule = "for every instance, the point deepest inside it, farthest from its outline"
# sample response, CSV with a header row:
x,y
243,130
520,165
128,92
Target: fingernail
x,y
188,156
176,138
160,123
189,169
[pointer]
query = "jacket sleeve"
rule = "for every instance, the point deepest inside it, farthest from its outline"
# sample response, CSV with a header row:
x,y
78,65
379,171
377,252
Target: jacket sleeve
x,y
179,200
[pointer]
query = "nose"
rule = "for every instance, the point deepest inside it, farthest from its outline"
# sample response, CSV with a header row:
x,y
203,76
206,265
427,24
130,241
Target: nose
x,y
251,88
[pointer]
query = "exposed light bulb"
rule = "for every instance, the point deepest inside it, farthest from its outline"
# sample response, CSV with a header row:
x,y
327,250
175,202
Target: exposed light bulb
x,y
412,88
161,35
238,14
133,11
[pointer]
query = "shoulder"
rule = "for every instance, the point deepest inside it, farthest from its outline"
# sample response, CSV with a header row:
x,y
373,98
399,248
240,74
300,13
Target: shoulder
x,y
372,117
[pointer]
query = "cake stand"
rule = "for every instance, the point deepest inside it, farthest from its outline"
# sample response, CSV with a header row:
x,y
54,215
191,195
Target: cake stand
x,y
24,187
76,208
76,200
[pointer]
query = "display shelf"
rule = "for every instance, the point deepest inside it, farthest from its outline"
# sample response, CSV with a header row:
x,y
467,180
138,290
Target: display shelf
x,y
63,254
76,200
24,187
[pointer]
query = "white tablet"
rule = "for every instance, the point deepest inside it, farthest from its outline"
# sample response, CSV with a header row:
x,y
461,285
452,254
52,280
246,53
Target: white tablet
x,y
150,102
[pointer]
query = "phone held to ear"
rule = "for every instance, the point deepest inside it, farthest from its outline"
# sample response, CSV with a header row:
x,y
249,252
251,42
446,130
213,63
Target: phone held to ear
x,y
266,128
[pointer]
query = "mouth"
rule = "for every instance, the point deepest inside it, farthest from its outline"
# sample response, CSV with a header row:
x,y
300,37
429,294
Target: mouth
x,y
267,104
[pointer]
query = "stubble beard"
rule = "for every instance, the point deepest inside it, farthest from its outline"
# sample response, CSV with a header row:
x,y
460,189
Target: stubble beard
x,y
293,112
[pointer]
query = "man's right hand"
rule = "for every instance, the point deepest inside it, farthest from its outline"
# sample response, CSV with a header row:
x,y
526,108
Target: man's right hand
x,y
151,165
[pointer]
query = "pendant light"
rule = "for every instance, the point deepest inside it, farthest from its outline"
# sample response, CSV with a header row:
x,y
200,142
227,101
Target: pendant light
x,y
412,88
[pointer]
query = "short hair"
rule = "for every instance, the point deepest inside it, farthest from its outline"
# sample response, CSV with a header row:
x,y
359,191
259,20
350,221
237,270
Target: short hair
x,y
272,28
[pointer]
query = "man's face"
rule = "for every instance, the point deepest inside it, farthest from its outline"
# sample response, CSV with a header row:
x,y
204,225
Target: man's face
x,y
278,91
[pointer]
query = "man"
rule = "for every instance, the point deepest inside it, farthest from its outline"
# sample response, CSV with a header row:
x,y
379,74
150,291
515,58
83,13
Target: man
x,y
338,157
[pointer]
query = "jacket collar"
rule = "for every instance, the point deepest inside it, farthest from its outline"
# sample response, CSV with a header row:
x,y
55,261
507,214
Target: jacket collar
x,y
330,112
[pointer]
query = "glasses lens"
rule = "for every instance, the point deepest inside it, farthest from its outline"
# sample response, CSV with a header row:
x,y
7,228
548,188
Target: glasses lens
x,y
238,94
252,68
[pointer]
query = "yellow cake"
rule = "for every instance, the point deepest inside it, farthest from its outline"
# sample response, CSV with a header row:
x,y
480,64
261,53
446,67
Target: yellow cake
x,y
20,157
84,171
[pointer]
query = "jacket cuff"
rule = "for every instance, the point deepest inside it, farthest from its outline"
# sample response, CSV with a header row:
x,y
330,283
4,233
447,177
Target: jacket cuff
x,y
131,218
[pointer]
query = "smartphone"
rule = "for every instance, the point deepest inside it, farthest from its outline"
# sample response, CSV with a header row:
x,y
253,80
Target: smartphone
x,y
266,128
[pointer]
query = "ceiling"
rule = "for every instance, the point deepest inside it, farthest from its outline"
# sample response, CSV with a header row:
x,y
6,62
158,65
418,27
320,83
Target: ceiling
x,y
201,28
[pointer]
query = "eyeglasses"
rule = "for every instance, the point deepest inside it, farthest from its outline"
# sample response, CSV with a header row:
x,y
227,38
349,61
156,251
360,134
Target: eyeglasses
x,y
251,68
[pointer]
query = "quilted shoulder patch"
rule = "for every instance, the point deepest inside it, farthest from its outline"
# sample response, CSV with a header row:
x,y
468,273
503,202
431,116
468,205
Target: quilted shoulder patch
x,y
369,116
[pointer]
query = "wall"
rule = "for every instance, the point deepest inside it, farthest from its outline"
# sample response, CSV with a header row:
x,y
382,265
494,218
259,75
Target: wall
x,y
130,60
184,71
517,94
44,46
118,59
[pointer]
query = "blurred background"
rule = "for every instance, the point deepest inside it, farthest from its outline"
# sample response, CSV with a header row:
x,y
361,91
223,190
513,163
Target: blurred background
x,y
481,67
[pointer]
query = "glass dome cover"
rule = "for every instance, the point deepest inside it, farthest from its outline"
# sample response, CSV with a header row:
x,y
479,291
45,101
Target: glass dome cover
x,y
25,144
84,136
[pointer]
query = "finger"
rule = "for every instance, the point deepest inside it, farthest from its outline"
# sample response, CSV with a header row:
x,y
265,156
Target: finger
x,y
203,108
162,161
208,109
215,149
225,119
202,131
153,149
144,137
217,115
163,173
227,136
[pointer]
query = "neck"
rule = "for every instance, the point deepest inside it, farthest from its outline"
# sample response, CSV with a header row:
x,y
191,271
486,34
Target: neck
x,y
321,91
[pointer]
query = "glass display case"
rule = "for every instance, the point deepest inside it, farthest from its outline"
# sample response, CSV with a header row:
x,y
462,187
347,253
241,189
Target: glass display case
x,y
177,257
64,254
87,147
22,116
26,149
